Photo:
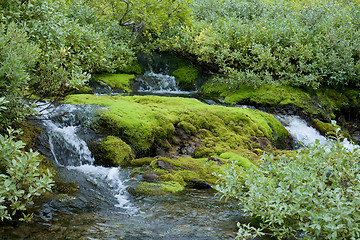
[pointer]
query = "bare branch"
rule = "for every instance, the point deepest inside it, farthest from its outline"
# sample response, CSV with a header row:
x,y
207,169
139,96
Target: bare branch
x,y
121,21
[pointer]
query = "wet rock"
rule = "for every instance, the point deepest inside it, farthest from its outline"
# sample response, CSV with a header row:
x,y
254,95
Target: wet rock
x,y
150,176
188,150
200,184
164,165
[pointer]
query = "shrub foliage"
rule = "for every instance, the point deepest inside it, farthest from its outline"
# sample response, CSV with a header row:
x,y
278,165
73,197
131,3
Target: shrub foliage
x,y
21,178
303,43
316,192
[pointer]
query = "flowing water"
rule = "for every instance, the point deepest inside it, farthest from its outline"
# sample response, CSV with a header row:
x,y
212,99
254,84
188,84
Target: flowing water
x,y
102,208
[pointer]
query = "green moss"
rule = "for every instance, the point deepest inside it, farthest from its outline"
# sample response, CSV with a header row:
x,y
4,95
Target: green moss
x,y
189,172
186,171
62,187
188,127
83,90
112,151
139,162
238,159
134,68
214,87
148,188
29,134
186,77
275,96
143,121
323,103
117,81
328,129
332,101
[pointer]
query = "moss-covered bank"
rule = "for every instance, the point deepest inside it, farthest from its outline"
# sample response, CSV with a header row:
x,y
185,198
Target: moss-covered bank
x,y
152,124
323,103
186,76
118,82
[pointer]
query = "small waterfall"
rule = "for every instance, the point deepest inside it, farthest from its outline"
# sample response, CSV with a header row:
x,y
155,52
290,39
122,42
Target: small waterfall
x,y
157,83
304,135
71,151
112,178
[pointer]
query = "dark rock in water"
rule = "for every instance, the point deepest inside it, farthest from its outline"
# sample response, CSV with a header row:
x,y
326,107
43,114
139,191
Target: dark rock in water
x,y
150,176
99,87
164,165
200,184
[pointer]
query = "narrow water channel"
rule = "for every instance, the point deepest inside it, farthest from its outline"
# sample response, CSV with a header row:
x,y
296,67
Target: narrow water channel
x,y
102,208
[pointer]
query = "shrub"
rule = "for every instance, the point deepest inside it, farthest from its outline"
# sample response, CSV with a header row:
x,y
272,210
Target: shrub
x,y
279,42
316,192
20,177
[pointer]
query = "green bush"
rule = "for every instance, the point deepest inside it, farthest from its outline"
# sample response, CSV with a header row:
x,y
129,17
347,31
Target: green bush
x,y
20,177
316,192
18,57
48,48
279,42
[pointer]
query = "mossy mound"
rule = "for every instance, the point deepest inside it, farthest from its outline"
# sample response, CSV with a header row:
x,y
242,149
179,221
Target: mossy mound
x,y
133,68
119,82
147,122
237,159
323,103
271,97
83,90
328,129
148,188
112,151
186,77
180,172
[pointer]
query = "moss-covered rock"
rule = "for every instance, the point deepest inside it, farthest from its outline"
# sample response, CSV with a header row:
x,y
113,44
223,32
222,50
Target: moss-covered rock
x,y
29,134
112,151
328,129
186,77
237,159
181,172
83,90
323,103
145,122
133,68
161,188
119,82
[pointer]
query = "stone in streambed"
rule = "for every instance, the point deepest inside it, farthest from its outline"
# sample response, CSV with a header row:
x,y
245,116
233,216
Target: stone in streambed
x,y
112,151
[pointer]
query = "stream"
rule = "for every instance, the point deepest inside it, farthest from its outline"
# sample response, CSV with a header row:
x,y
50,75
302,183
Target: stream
x,y
103,209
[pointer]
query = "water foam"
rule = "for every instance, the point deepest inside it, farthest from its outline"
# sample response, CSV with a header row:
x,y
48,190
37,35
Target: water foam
x,y
306,135
71,151
158,83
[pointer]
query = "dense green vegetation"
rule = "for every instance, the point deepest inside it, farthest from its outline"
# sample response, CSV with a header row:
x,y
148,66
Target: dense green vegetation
x,y
316,192
301,43
21,178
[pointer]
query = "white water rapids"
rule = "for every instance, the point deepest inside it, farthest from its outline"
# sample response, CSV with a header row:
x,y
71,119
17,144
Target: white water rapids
x,y
157,83
304,135
71,151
